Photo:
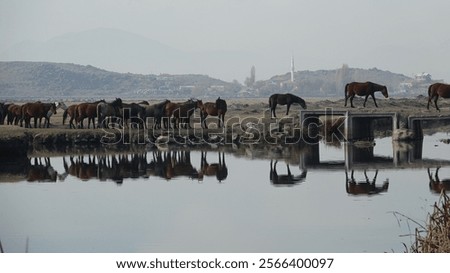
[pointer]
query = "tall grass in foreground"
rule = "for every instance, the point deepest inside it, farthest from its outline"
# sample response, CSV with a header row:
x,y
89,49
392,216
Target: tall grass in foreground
x,y
436,238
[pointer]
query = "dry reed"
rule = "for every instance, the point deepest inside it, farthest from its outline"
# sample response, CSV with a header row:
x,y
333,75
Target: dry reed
x,y
437,234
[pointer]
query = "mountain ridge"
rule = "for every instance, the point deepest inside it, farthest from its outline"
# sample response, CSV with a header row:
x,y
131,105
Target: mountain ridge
x,y
68,80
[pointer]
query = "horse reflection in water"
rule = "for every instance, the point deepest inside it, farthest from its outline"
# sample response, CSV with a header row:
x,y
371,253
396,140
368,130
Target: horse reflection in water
x,y
172,164
164,164
41,171
106,167
365,187
285,179
436,184
219,170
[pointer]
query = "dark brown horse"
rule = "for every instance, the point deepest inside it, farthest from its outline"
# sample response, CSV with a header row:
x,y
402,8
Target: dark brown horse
x,y
108,113
41,171
219,170
363,89
218,109
438,185
437,90
14,114
37,110
156,111
285,179
133,113
70,111
86,110
284,99
183,113
365,187
3,111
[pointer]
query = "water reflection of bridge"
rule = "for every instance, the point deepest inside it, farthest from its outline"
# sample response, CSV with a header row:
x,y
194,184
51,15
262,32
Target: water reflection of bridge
x,y
405,155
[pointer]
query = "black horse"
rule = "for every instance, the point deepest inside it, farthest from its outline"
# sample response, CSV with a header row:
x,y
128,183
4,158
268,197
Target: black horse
x,y
284,99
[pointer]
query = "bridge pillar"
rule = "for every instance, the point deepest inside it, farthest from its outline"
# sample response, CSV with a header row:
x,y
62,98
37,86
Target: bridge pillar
x,y
358,128
407,151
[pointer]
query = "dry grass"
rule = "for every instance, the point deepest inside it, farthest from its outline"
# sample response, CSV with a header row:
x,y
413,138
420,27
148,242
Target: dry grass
x,y
437,231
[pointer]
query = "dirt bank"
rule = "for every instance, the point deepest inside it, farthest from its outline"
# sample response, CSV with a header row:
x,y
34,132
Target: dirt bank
x,y
242,121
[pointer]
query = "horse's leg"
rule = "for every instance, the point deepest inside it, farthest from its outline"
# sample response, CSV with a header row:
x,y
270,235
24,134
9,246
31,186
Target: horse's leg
x,y
373,97
346,98
365,100
204,120
435,103
351,100
272,110
287,109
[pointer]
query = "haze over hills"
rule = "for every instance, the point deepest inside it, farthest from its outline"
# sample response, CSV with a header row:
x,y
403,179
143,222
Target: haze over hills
x,y
71,81
123,51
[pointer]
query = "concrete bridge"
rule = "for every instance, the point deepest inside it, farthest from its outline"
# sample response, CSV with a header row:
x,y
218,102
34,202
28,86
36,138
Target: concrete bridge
x,y
359,125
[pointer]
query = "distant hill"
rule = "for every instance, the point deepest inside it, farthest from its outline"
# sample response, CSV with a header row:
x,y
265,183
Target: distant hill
x,y
42,79
72,81
331,83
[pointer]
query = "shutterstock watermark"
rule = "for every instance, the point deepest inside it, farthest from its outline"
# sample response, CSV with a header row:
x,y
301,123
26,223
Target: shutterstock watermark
x,y
235,129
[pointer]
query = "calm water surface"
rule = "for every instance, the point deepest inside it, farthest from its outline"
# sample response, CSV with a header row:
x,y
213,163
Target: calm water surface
x,y
233,202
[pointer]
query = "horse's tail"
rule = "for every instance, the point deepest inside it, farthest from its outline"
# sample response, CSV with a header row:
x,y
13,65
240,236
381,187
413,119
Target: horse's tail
x,y
346,89
64,116
429,90
270,101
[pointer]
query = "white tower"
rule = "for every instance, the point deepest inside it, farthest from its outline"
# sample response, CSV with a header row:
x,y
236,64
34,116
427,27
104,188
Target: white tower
x,y
292,68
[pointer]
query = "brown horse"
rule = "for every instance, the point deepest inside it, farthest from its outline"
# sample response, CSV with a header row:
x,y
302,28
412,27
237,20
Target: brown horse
x,y
108,113
86,110
70,111
41,171
183,113
37,110
218,109
156,111
437,90
284,99
285,179
219,170
14,114
437,185
363,89
365,187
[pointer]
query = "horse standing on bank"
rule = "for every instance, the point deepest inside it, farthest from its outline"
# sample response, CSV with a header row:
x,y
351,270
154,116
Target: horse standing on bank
x,y
70,111
437,90
134,113
37,110
156,111
218,109
183,113
363,89
86,110
109,110
284,99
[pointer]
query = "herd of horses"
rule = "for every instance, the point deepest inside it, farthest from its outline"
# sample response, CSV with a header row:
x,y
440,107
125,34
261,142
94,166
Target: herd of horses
x,y
166,113
104,114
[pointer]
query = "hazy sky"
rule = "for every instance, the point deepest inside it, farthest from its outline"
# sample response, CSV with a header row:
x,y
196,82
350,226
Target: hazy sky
x,y
403,36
